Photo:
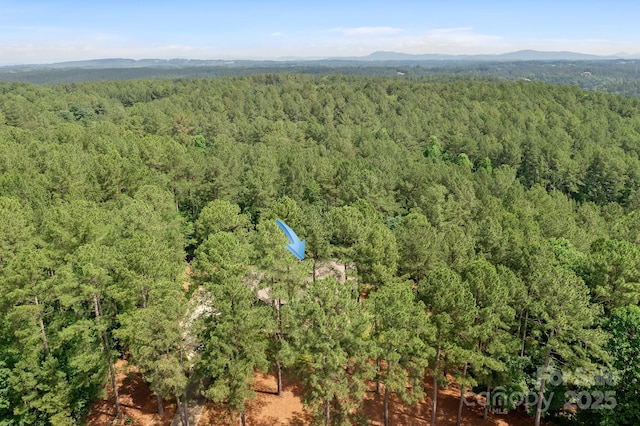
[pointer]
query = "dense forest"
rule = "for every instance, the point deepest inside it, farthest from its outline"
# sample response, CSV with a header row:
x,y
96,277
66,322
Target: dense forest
x,y
488,231
619,76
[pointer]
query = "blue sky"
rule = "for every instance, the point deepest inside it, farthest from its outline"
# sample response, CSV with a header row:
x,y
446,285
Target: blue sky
x,y
58,30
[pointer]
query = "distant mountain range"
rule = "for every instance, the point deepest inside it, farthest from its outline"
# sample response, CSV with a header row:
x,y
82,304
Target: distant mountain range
x,y
521,55
376,57
111,63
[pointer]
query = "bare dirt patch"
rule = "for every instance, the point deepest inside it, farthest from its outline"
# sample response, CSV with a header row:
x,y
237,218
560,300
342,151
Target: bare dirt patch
x,y
446,413
268,409
137,401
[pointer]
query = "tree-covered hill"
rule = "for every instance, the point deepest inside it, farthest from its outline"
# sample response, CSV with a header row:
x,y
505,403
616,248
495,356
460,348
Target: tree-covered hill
x,y
491,229
619,76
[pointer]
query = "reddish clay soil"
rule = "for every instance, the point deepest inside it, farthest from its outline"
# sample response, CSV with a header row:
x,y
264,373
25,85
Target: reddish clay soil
x,y
270,410
446,414
136,401
267,409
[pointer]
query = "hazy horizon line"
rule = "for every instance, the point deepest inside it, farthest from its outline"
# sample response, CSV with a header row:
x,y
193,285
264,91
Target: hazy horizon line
x,y
284,58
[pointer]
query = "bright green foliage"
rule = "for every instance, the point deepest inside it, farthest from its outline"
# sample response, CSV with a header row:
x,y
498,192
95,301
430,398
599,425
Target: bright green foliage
x,y
614,276
492,296
260,179
348,225
434,148
449,300
156,340
359,236
104,184
462,159
619,383
604,178
287,210
417,247
282,277
490,345
564,315
236,326
330,331
564,320
317,234
220,216
220,257
486,164
451,304
14,228
377,256
624,346
402,334
151,213
280,271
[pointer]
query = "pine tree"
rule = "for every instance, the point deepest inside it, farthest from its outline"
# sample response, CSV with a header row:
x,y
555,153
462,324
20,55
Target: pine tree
x,y
417,247
489,334
330,335
235,332
564,320
614,275
282,276
452,307
402,334
157,341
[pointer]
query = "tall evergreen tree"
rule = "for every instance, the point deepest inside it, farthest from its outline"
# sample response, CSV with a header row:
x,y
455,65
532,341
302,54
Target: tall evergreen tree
x,y
158,341
564,322
330,334
452,307
236,330
402,334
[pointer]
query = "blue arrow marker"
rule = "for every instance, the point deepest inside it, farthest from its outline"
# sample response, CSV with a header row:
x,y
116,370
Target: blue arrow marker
x,y
295,246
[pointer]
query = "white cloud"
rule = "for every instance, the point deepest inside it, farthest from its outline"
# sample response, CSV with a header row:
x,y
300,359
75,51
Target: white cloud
x,y
32,53
176,48
451,40
357,41
364,40
591,46
368,31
